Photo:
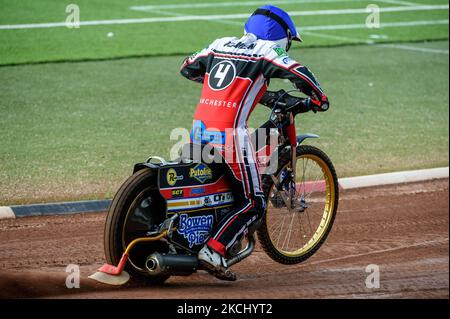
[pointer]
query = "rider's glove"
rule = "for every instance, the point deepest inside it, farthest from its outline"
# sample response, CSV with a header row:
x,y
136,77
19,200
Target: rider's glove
x,y
318,105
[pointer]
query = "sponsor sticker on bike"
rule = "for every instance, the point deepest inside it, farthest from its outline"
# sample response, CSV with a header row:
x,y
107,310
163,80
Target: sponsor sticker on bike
x,y
214,200
195,229
218,199
201,172
197,191
176,193
172,177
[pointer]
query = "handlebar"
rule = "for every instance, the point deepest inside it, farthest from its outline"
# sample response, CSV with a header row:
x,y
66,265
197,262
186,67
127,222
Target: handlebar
x,y
282,100
289,103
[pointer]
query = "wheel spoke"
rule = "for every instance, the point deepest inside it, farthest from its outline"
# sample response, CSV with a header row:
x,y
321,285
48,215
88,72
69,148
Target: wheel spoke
x,y
288,233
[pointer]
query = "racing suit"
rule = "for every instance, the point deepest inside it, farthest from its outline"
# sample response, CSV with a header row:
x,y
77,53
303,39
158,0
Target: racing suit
x,y
235,74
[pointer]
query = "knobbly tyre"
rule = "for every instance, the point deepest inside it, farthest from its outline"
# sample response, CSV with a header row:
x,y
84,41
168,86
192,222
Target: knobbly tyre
x,y
162,215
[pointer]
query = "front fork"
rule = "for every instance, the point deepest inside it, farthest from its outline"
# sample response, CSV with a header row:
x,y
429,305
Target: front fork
x,y
292,135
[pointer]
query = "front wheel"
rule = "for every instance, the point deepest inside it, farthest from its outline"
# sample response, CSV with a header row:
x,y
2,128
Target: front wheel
x,y
291,236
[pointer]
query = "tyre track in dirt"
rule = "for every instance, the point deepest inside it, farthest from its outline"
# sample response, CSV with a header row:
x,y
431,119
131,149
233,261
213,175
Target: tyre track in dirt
x,y
401,228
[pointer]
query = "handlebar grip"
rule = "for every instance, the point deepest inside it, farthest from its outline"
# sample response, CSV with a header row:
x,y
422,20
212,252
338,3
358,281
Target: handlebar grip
x,y
325,106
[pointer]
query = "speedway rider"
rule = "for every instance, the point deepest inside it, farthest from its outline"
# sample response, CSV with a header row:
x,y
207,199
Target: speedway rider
x,y
235,74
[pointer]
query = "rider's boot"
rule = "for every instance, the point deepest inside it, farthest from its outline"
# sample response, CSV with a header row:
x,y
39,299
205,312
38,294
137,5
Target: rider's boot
x,y
215,264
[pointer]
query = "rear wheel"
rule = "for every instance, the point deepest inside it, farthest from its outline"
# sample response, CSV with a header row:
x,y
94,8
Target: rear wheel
x,y
292,236
135,209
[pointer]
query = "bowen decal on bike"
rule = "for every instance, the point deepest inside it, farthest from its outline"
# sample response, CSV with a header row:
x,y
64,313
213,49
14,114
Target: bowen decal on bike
x,y
200,172
195,229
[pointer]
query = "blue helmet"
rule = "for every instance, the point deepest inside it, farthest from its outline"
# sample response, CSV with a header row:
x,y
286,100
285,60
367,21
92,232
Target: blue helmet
x,y
272,23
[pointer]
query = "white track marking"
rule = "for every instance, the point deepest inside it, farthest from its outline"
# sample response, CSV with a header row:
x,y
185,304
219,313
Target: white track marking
x,y
364,10
381,251
218,17
176,14
406,3
363,26
329,36
418,49
151,8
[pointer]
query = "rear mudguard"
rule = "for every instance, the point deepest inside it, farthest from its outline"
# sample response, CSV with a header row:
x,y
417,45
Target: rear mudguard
x,y
139,166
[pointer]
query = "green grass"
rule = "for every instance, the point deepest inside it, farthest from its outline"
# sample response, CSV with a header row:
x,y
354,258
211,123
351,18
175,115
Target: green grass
x,y
170,38
73,130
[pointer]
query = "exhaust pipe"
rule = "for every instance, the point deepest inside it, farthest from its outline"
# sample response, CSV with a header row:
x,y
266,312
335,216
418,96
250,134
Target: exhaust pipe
x,y
245,253
176,265
185,265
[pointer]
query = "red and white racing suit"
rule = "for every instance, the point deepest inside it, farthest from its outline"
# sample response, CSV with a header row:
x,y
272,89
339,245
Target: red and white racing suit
x,y
235,74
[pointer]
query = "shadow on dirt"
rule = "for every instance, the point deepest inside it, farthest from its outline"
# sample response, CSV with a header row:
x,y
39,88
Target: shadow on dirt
x,y
27,284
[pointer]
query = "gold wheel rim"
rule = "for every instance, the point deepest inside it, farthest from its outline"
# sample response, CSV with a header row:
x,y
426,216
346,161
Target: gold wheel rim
x,y
326,214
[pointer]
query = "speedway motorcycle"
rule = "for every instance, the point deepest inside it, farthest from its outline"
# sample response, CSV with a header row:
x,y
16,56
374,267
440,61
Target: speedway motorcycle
x,y
164,212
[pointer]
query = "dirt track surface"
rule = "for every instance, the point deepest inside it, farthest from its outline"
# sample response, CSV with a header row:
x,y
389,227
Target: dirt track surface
x,y
401,228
